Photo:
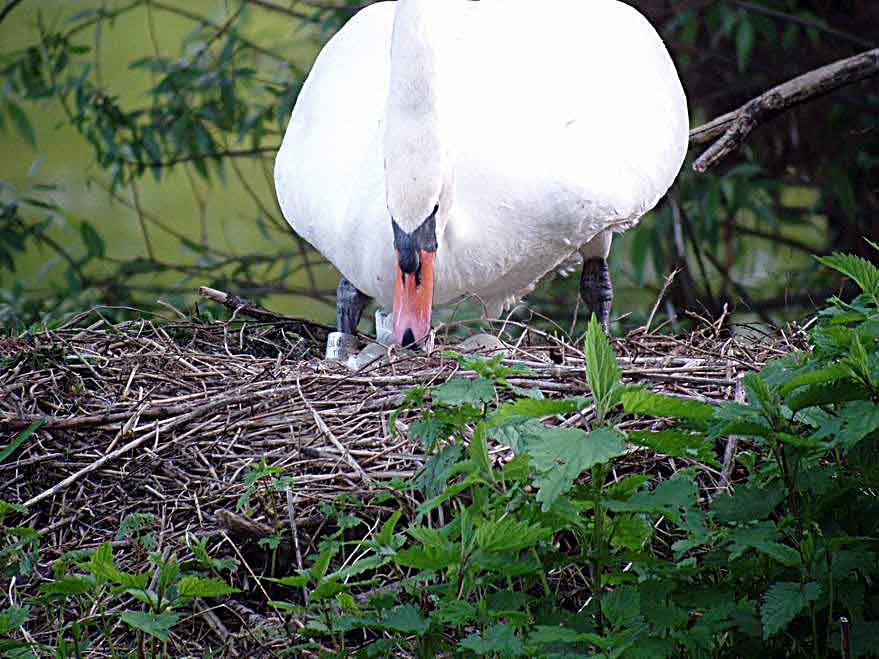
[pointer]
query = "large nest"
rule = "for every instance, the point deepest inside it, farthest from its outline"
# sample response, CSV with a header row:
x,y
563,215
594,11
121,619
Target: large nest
x,y
166,418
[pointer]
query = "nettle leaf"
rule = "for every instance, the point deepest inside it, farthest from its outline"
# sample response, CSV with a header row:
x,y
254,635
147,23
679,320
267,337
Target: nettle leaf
x,y
428,558
860,270
462,391
783,602
154,624
749,503
622,606
631,531
508,535
641,401
13,618
69,584
668,498
762,537
675,442
530,407
829,373
518,433
195,586
496,640
405,618
565,453
478,450
602,369
437,469
861,418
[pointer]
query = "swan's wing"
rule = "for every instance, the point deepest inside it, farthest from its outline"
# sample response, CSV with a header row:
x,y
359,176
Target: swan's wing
x,y
329,173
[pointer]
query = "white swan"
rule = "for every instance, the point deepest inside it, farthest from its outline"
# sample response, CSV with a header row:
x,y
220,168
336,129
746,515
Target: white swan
x,y
443,148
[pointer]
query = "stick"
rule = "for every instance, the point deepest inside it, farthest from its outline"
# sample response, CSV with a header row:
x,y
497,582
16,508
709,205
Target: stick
x,y
733,128
325,430
248,308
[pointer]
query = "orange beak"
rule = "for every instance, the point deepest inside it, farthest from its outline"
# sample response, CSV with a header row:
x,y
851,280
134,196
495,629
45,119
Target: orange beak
x,y
413,301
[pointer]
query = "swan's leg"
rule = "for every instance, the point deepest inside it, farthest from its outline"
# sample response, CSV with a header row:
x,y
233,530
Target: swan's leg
x,y
350,304
596,289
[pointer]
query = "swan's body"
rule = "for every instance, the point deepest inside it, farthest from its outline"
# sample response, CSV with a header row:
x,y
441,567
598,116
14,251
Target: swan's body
x,y
534,128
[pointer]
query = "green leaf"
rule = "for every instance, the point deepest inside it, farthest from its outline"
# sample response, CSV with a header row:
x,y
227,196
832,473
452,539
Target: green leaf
x,y
861,418
22,123
675,442
860,270
496,640
195,586
508,534
622,606
640,401
9,449
762,537
562,454
829,373
668,498
385,537
405,618
437,469
602,369
783,602
461,391
154,624
92,240
70,584
749,503
6,508
530,407
479,452
13,618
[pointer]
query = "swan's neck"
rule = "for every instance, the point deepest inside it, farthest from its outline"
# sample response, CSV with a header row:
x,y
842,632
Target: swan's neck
x,y
415,142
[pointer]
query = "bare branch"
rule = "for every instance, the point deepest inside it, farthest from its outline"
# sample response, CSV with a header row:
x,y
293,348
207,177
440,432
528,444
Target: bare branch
x,y
8,8
733,128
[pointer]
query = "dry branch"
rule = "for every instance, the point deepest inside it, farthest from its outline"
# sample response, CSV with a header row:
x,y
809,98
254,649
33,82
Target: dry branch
x,y
733,128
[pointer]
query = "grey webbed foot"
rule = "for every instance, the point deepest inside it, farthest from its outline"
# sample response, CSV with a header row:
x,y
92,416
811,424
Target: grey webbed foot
x,y
596,289
350,304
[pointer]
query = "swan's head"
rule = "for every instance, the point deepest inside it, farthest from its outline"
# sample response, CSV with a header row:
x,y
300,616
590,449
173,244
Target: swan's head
x,y
418,208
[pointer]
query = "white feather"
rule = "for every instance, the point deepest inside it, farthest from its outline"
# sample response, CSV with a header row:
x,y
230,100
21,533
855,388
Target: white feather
x,y
535,127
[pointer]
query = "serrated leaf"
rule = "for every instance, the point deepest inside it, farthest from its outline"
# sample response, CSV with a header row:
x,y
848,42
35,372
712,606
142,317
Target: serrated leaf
x,y
530,407
602,369
432,479
783,602
461,391
675,442
562,454
622,606
860,270
508,535
640,401
405,618
667,498
195,586
762,537
749,503
427,558
496,640
70,584
154,624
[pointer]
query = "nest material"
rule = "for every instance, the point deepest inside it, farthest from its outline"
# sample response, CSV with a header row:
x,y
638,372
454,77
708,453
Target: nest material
x,y
165,418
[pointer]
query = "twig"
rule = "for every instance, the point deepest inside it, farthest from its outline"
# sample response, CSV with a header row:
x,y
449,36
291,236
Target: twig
x,y
242,305
325,430
291,514
8,8
668,280
733,128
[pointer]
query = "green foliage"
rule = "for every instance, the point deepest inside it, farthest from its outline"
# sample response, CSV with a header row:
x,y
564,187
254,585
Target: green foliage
x,y
768,566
